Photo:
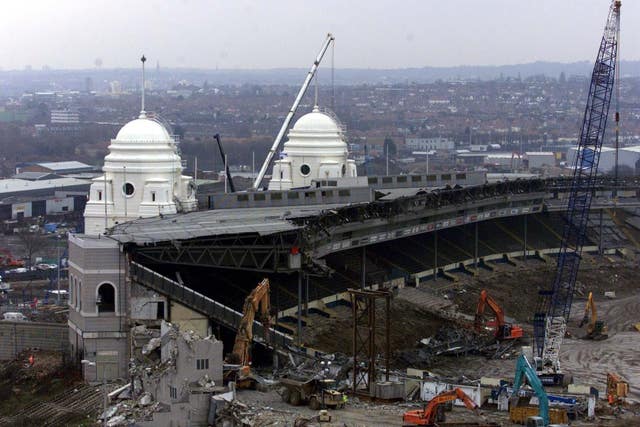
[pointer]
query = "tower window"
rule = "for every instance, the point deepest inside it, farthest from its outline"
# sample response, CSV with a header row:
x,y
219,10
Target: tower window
x,y
305,169
128,189
99,195
106,301
153,196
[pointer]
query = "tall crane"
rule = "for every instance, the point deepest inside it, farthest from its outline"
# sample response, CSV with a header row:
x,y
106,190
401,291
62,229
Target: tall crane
x,y
276,143
552,313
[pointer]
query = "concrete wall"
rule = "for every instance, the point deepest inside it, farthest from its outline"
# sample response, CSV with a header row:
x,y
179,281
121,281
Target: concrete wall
x,y
18,336
189,320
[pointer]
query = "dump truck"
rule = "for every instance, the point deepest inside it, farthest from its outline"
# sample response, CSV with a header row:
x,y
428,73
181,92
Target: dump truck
x,y
522,415
317,393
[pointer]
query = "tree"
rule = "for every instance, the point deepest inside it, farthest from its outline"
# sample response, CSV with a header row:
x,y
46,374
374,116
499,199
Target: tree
x,y
32,243
390,146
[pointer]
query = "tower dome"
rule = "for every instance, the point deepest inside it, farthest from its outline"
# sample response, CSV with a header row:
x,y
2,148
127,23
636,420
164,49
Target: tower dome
x,y
315,150
316,121
143,129
142,178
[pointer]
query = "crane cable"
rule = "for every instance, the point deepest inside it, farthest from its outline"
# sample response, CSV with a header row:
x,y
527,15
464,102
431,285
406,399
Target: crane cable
x,y
617,117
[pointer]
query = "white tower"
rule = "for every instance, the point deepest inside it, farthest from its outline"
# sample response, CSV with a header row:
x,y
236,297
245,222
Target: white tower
x,y
316,150
142,177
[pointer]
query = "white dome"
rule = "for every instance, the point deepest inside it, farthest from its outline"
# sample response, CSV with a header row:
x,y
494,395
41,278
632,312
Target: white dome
x,y
143,129
316,121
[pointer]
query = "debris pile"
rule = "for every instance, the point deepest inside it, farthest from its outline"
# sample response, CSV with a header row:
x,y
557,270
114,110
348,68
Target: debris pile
x,y
129,410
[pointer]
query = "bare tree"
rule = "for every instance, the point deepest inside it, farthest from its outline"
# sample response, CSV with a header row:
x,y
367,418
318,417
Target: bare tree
x,y
32,243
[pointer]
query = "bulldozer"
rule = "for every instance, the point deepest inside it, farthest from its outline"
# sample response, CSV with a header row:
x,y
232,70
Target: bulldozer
x,y
596,329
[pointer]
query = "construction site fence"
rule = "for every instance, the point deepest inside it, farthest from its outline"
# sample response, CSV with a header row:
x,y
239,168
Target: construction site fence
x,y
16,337
205,305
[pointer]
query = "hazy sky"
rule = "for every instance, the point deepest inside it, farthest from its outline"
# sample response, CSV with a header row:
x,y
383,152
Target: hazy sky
x,y
288,33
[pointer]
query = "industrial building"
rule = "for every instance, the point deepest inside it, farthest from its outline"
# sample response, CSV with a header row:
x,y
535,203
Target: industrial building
x,y
21,198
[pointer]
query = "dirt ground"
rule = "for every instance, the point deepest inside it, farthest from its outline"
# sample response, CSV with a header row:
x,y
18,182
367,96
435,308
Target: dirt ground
x,y
22,383
515,288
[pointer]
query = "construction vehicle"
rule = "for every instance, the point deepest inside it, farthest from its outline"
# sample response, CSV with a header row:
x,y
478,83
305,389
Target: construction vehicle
x,y
7,259
225,162
258,301
503,330
317,393
525,414
596,329
433,412
617,389
554,307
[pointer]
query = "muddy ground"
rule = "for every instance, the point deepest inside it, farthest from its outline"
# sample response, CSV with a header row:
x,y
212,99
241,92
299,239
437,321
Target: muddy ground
x,y
515,287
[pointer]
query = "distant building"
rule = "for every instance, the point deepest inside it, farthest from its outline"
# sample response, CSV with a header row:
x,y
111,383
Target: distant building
x,y
423,144
60,168
21,198
628,157
538,159
65,117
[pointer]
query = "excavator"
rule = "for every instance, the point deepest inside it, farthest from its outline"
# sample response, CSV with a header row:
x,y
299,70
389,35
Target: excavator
x,y
433,412
258,301
7,259
503,330
596,329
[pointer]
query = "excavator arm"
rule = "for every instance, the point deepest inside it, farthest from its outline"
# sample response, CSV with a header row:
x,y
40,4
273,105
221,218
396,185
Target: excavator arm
x,y
486,300
258,301
590,307
427,416
524,370
503,330
596,329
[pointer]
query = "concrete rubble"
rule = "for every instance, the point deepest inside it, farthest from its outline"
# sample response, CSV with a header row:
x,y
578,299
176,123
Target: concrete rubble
x,y
174,377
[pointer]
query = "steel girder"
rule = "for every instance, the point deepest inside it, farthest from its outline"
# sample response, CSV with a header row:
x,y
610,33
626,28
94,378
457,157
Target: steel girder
x,y
240,252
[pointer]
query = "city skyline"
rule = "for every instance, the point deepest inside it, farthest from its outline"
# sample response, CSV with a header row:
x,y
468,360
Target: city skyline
x,y
264,35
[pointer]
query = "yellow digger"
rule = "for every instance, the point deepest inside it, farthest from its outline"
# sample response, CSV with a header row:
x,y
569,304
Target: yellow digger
x,y
596,329
258,302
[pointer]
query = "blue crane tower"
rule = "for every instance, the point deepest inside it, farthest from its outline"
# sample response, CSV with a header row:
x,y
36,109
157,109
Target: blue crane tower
x,y
552,313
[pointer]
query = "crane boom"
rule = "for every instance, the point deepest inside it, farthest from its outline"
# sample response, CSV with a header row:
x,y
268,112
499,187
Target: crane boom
x,y
292,111
552,313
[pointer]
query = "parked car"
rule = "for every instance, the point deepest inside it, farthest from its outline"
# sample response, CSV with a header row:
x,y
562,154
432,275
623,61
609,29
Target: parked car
x,y
13,316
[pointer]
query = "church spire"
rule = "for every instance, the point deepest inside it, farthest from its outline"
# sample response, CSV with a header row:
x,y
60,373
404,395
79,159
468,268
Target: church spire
x,y
143,113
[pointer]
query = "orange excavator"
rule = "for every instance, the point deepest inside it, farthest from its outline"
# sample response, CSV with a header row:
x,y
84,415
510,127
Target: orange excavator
x,y
433,412
258,301
7,260
503,330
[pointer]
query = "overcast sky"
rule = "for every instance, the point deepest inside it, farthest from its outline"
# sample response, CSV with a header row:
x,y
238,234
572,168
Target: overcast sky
x,y
288,33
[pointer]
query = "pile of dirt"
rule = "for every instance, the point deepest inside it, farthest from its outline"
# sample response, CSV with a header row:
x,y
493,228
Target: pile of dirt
x,y
409,324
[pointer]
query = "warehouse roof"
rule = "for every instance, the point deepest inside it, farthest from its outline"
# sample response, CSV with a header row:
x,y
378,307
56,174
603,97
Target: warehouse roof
x,y
23,185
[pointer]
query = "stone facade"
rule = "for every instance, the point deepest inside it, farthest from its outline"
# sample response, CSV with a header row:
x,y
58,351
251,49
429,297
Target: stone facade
x,y
98,305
